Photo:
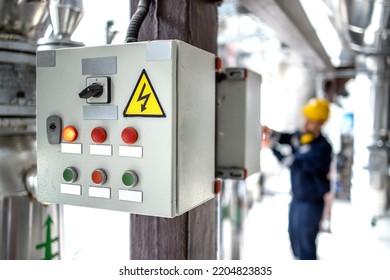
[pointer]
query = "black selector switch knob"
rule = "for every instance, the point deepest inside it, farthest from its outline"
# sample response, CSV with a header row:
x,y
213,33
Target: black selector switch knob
x,y
93,90
53,129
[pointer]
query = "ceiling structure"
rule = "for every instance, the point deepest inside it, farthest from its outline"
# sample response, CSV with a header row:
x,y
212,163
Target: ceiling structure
x,y
362,27
291,26
327,35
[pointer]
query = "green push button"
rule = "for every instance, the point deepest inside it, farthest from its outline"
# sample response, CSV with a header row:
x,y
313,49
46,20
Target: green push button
x,y
70,174
130,178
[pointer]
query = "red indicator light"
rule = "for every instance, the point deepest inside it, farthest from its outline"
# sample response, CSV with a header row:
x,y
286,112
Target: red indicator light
x,y
218,64
245,74
217,186
69,133
129,135
98,135
99,177
245,173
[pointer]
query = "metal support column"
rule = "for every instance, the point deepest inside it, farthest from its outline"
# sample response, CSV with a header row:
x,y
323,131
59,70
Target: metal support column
x,y
192,235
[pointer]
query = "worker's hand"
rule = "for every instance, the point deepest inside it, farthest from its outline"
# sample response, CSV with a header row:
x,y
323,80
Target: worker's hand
x,y
325,224
267,141
266,130
328,198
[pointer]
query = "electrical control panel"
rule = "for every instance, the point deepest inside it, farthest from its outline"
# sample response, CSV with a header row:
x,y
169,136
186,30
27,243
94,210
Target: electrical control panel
x,y
127,127
238,123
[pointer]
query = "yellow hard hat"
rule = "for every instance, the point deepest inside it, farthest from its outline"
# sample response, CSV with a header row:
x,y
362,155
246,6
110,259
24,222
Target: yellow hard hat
x,y
317,109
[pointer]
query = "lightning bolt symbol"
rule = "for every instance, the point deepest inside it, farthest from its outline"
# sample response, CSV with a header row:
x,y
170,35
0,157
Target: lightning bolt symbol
x,y
143,97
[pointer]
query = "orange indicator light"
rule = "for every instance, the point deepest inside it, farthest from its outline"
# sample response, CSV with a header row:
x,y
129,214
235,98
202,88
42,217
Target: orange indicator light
x,y
69,133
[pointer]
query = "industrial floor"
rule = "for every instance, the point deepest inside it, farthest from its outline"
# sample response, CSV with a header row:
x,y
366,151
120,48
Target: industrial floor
x,y
351,238
264,230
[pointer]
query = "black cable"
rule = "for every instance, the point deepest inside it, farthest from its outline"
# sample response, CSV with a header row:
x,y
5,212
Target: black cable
x,y
136,21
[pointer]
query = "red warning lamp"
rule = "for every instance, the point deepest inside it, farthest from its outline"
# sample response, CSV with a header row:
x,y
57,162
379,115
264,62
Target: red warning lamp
x,y
129,135
98,135
69,133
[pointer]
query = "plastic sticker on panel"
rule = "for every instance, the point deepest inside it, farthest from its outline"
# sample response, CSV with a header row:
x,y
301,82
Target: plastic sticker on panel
x,y
144,101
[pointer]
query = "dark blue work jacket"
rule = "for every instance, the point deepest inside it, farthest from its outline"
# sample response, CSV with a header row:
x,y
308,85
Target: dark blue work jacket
x,y
309,166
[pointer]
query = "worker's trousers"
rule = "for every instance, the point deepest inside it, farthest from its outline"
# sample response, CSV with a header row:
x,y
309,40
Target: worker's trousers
x,y
303,228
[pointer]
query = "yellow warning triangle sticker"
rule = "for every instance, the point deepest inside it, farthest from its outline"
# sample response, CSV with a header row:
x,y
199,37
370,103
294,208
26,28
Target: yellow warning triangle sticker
x,y
144,101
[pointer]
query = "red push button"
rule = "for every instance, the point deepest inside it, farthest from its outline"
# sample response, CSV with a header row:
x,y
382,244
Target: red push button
x,y
69,133
129,135
98,135
99,176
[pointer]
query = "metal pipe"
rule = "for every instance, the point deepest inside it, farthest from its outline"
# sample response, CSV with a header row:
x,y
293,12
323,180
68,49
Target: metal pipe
x,y
365,24
25,224
23,20
65,15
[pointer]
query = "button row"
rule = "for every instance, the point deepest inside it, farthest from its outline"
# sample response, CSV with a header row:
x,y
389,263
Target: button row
x,y
99,176
129,135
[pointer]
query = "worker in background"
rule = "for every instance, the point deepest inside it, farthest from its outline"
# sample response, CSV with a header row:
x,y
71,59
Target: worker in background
x,y
309,163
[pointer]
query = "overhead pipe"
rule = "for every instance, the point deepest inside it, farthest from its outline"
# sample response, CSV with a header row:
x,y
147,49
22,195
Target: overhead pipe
x,y
365,24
